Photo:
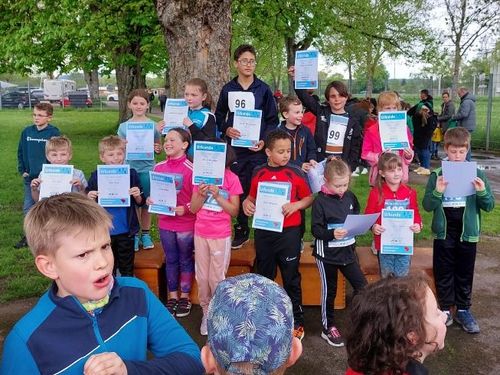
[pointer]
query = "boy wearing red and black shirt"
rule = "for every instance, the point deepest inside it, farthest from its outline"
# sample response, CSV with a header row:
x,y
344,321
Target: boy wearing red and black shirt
x,y
281,249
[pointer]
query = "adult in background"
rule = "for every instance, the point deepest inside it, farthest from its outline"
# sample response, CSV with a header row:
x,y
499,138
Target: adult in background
x,y
466,115
163,101
447,111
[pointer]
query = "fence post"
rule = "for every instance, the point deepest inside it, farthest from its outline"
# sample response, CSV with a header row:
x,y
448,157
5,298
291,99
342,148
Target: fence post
x,y
488,111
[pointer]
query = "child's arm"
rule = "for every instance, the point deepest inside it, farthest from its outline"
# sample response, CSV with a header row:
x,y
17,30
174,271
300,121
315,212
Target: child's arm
x,y
230,206
433,197
367,147
318,222
35,189
417,220
105,363
248,205
207,131
310,147
221,111
372,207
290,208
136,188
20,157
307,100
92,189
198,198
484,197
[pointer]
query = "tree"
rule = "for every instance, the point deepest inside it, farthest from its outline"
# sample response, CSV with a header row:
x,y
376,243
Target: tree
x,y
197,34
379,78
468,21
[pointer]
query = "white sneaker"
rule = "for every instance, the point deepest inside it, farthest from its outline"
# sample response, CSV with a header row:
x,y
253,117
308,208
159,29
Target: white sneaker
x,y
424,172
354,174
364,171
418,169
203,326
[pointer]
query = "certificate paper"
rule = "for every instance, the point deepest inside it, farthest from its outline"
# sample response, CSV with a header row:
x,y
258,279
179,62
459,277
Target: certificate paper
x,y
306,70
140,140
248,123
209,163
393,133
397,237
56,179
163,194
176,110
460,177
114,183
356,225
316,176
336,134
268,206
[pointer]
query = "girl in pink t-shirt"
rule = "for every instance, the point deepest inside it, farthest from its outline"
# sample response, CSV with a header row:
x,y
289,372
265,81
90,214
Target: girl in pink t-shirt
x,y
176,232
214,207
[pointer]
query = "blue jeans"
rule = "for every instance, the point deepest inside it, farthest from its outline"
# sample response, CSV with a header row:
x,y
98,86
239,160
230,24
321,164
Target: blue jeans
x,y
434,148
424,155
28,200
399,265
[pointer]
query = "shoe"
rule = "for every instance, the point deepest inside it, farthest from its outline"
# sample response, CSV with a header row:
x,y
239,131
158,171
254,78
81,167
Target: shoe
x,y
299,332
301,246
467,321
137,243
364,171
449,318
147,242
172,305
333,337
240,237
183,308
203,326
418,169
354,174
424,172
21,243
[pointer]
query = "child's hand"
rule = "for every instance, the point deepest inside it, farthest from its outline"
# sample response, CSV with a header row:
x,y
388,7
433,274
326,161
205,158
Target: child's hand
x,y
105,363
77,183
377,229
158,148
214,190
35,183
339,233
248,207
135,192
160,125
291,71
180,210
203,189
289,208
233,133
478,184
441,184
306,167
313,163
149,201
25,174
93,194
187,122
408,153
416,228
258,146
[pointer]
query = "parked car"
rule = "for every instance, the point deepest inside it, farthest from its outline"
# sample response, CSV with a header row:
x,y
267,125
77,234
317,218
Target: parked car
x,y
112,97
38,93
16,99
66,102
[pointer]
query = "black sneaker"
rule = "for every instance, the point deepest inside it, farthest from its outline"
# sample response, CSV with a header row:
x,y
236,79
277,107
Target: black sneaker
x,y
333,337
171,305
240,237
22,243
183,307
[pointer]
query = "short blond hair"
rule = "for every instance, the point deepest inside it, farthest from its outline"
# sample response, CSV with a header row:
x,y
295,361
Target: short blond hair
x,y
66,213
111,142
388,98
58,143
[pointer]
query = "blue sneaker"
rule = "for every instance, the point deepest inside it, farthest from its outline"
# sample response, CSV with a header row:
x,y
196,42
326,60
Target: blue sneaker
x,y
136,243
147,242
467,321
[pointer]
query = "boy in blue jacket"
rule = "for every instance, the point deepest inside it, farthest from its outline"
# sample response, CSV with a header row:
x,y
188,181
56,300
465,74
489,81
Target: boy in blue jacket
x,y
31,152
88,321
245,91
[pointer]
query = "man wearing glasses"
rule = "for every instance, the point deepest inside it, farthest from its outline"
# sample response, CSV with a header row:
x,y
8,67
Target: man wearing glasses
x,y
31,153
245,91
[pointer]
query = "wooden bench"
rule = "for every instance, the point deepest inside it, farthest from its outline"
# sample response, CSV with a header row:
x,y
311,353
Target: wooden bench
x,y
149,267
421,261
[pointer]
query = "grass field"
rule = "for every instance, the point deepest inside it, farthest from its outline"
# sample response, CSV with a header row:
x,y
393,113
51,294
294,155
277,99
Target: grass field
x,y
18,276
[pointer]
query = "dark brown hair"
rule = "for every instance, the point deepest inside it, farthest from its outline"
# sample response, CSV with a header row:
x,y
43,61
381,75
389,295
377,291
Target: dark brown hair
x,y
242,49
386,162
198,82
382,316
141,93
184,134
275,135
286,101
458,137
339,86
47,107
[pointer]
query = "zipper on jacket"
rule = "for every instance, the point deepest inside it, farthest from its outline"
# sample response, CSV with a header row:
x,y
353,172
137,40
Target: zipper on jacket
x,y
97,333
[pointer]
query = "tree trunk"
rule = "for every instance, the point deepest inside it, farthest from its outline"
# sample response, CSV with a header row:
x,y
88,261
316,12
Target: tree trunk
x,y
92,80
291,48
457,60
198,35
349,82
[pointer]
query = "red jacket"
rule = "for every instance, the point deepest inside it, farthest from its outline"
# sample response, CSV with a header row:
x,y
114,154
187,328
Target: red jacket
x,y
404,193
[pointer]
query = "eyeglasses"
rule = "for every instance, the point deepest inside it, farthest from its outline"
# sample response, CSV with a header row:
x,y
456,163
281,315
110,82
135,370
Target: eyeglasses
x,y
247,62
38,115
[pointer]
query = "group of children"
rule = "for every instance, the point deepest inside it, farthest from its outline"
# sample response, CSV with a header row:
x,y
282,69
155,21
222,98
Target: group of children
x,y
282,155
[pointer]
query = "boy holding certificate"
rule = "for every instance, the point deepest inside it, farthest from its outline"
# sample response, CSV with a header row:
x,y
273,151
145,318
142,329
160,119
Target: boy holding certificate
x,y
125,222
58,150
281,249
247,92
456,225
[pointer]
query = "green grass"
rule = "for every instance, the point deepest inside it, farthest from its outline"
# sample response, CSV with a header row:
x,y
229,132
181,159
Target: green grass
x,y
18,275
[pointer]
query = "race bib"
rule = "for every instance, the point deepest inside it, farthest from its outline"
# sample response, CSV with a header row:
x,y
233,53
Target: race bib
x,y
241,100
211,203
336,134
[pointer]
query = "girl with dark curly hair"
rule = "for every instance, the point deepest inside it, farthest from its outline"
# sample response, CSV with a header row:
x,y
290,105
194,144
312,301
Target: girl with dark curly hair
x,y
395,325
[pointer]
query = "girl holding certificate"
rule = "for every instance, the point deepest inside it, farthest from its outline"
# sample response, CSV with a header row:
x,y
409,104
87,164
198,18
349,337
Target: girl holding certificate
x,y
334,248
391,193
214,206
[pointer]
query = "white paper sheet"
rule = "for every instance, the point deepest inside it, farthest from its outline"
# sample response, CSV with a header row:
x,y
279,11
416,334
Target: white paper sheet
x,y
269,206
248,123
209,163
114,185
460,177
393,130
176,110
56,179
397,237
140,140
163,194
306,70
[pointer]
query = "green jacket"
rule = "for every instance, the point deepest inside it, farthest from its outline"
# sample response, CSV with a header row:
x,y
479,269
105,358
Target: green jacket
x,y
471,222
